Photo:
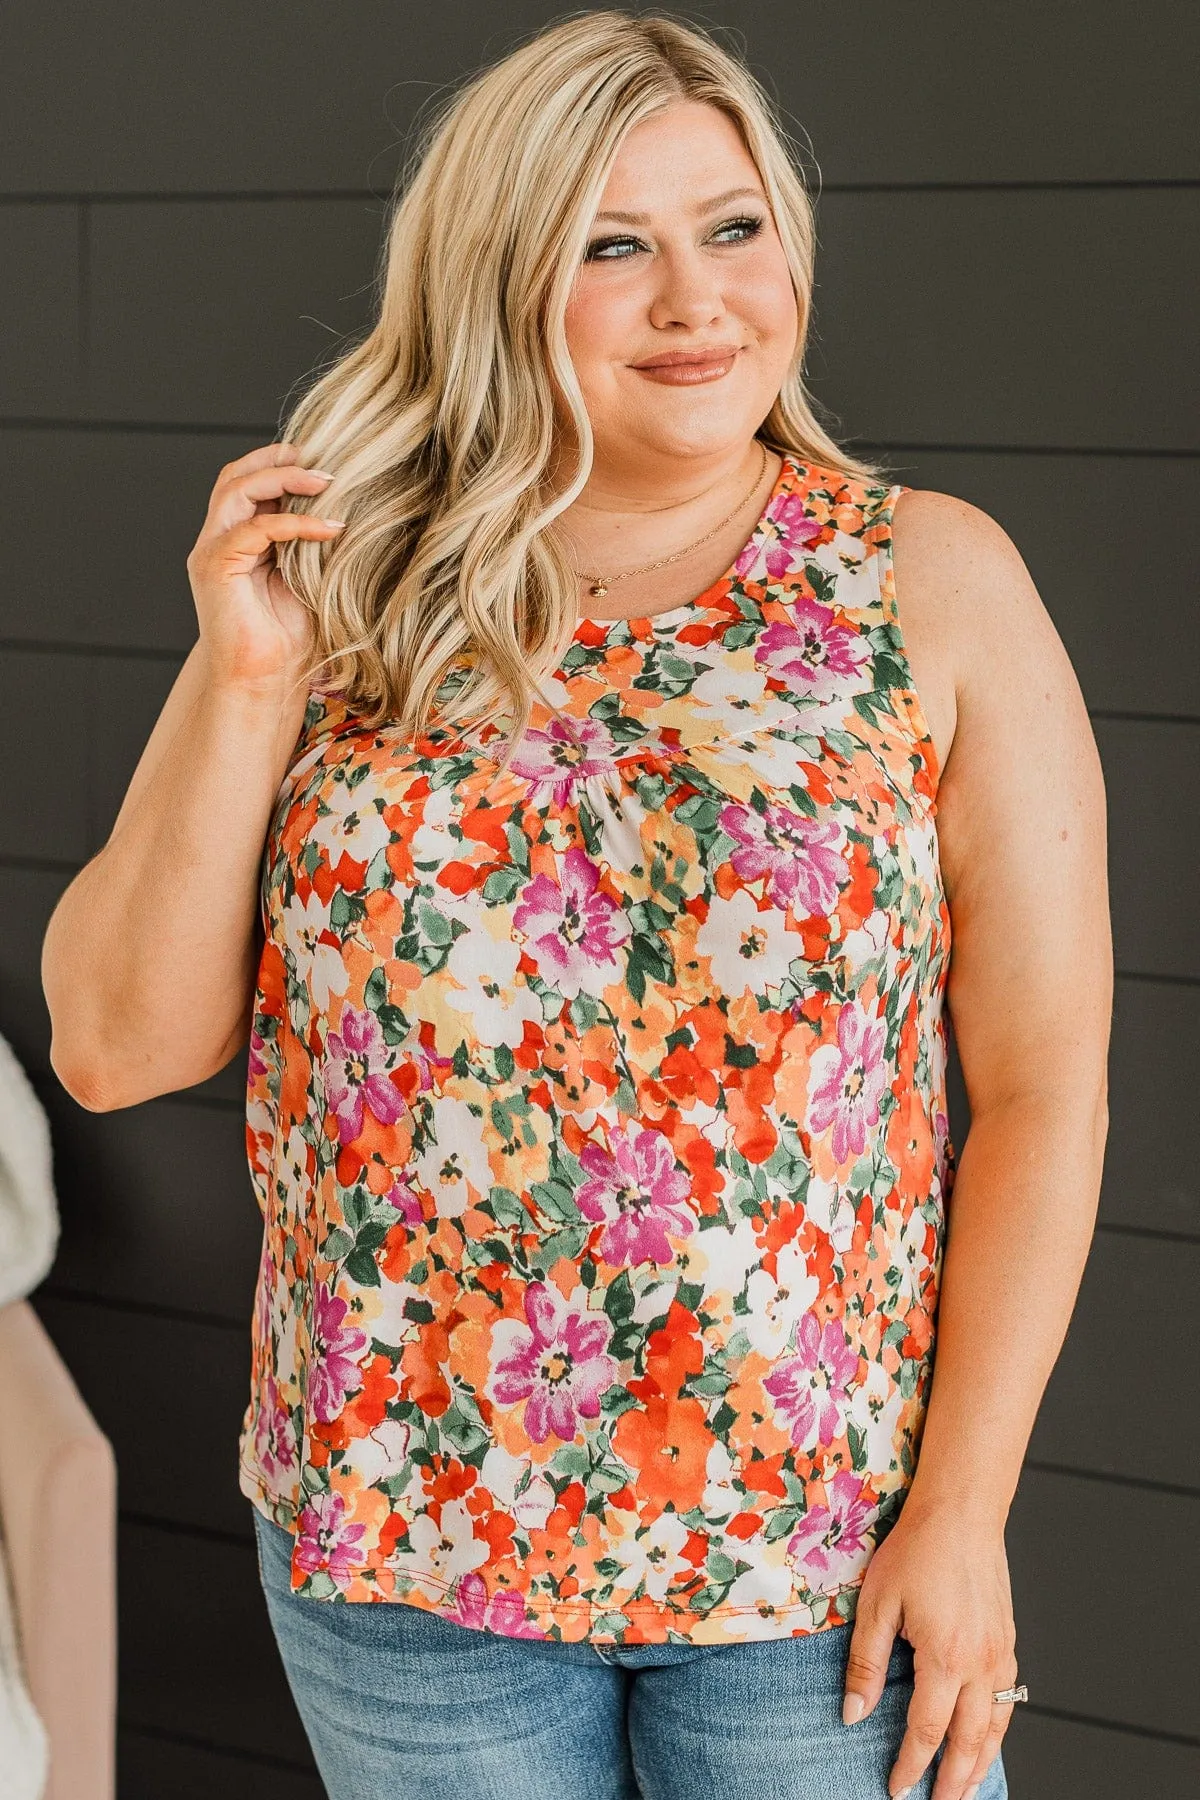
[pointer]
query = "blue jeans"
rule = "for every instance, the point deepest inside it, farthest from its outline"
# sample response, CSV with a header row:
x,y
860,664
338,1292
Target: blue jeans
x,y
399,1704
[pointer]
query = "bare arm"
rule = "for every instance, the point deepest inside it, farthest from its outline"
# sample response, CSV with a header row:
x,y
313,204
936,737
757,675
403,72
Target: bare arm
x,y
149,959
1023,843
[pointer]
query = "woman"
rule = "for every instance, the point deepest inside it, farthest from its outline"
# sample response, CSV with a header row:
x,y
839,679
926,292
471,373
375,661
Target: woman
x,y
596,1090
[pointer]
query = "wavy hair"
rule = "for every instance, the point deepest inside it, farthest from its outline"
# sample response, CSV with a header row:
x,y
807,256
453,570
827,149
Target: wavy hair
x,y
446,593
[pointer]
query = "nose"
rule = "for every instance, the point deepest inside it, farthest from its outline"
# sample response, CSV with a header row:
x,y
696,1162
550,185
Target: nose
x,y
688,292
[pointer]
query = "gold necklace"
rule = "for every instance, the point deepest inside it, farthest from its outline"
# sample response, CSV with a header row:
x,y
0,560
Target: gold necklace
x,y
600,584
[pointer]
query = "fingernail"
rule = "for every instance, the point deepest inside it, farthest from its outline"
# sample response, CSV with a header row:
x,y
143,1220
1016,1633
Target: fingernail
x,y
323,472
972,1791
853,1707
903,1794
333,521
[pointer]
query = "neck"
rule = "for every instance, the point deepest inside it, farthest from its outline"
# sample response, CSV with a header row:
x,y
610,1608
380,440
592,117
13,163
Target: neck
x,y
634,512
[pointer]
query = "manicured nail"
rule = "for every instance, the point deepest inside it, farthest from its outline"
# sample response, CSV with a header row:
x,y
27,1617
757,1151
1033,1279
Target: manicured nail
x,y
338,522
324,473
853,1707
972,1791
903,1794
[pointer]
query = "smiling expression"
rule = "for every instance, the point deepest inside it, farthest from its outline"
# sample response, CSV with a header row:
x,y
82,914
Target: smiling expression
x,y
682,322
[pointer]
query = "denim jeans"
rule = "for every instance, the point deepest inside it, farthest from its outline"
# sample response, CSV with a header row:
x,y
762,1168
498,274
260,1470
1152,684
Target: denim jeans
x,y
399,1704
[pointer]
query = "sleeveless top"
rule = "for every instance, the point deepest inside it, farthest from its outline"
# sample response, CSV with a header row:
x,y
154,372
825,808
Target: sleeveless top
x,y
597,1118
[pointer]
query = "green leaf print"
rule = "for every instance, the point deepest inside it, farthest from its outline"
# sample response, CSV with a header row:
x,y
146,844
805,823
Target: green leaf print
x,y
700,813
506,1207
362,1268
619,1298
556,1200
502,886
647,956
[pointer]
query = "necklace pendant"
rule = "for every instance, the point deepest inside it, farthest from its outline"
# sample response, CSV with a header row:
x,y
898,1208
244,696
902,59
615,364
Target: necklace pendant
x,y
597,590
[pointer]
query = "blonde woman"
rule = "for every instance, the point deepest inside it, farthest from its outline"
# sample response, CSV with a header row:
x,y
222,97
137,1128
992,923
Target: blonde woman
x,y
614,773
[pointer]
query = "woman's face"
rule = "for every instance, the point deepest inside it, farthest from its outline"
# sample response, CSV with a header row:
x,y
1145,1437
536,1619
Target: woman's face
x,y
693,267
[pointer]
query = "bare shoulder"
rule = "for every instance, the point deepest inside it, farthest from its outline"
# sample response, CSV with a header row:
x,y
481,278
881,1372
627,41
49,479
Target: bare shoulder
x,y
1021,807
969,610
1020,752
959,560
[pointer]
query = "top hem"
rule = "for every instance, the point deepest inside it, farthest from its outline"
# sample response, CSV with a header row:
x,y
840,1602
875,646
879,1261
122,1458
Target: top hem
x,y
652,1621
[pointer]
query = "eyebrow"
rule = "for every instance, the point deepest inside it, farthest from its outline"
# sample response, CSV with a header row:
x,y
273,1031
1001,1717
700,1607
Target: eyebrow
x,y
705,206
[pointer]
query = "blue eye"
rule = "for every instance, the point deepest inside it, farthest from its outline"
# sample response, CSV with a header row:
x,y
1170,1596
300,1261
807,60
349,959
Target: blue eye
x,y
749,227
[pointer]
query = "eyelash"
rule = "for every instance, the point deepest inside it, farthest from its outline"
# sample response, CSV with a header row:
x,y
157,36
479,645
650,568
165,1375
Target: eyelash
x,y
592,254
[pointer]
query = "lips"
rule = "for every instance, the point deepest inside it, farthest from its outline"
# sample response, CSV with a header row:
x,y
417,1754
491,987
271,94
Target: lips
x,y
672,359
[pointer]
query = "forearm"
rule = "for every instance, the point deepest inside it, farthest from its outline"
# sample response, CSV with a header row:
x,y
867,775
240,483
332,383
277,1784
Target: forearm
x,y
147,958
1020,1222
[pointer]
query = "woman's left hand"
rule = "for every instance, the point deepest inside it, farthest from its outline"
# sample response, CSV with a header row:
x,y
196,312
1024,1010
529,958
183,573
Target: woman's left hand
x,y
940,1579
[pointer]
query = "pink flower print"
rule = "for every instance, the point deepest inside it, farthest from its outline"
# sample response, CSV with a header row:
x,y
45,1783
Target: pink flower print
x,y
810,1388
800,858
326,1541
828,1542
557,1363
256,1062
504,1613
639,1188
333,1369
785,529
573,929
406,1202
811,652
356,1059
847,1080
274,1436
565,753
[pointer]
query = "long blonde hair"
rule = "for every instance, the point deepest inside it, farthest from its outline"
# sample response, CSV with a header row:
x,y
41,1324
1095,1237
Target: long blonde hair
x,y
446,592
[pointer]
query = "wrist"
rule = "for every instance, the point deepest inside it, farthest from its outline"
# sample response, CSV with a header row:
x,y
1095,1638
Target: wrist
x,y
965,1507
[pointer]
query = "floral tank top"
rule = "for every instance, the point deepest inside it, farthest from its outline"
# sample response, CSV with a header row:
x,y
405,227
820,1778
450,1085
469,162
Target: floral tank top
x,y
597,1117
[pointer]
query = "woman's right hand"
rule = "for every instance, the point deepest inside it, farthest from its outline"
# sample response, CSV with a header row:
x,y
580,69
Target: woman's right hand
x,y
254,631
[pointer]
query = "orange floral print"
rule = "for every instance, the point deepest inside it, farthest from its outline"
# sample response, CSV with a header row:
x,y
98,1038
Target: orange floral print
x,y
597,1118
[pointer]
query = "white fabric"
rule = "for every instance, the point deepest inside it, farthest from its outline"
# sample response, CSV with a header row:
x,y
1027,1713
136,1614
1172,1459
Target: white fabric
x,y
29,1224
29,1231
24,1748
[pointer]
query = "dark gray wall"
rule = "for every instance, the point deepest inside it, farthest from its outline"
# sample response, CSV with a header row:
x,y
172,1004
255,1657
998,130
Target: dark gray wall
x,y
190,206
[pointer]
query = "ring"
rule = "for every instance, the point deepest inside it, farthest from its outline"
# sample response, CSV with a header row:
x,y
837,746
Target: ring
x,y
1012,1693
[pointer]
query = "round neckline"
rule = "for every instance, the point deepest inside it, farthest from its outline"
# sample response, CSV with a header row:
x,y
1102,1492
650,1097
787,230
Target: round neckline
x,y
704,601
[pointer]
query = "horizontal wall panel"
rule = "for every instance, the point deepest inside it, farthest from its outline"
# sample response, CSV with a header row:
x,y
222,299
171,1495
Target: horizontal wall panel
x,y
1125,607
44,744
153,1768
1152,776
942,317
1127,1380
1100,94
956,318
248,298
27,899
118,578
200,1659
134,1368
41,343
157,1205
1060,1759
1104,1581
1078,521
1151,1173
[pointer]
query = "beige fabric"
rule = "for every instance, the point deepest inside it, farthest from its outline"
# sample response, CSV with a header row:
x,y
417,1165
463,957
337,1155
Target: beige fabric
x,y
58,1510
